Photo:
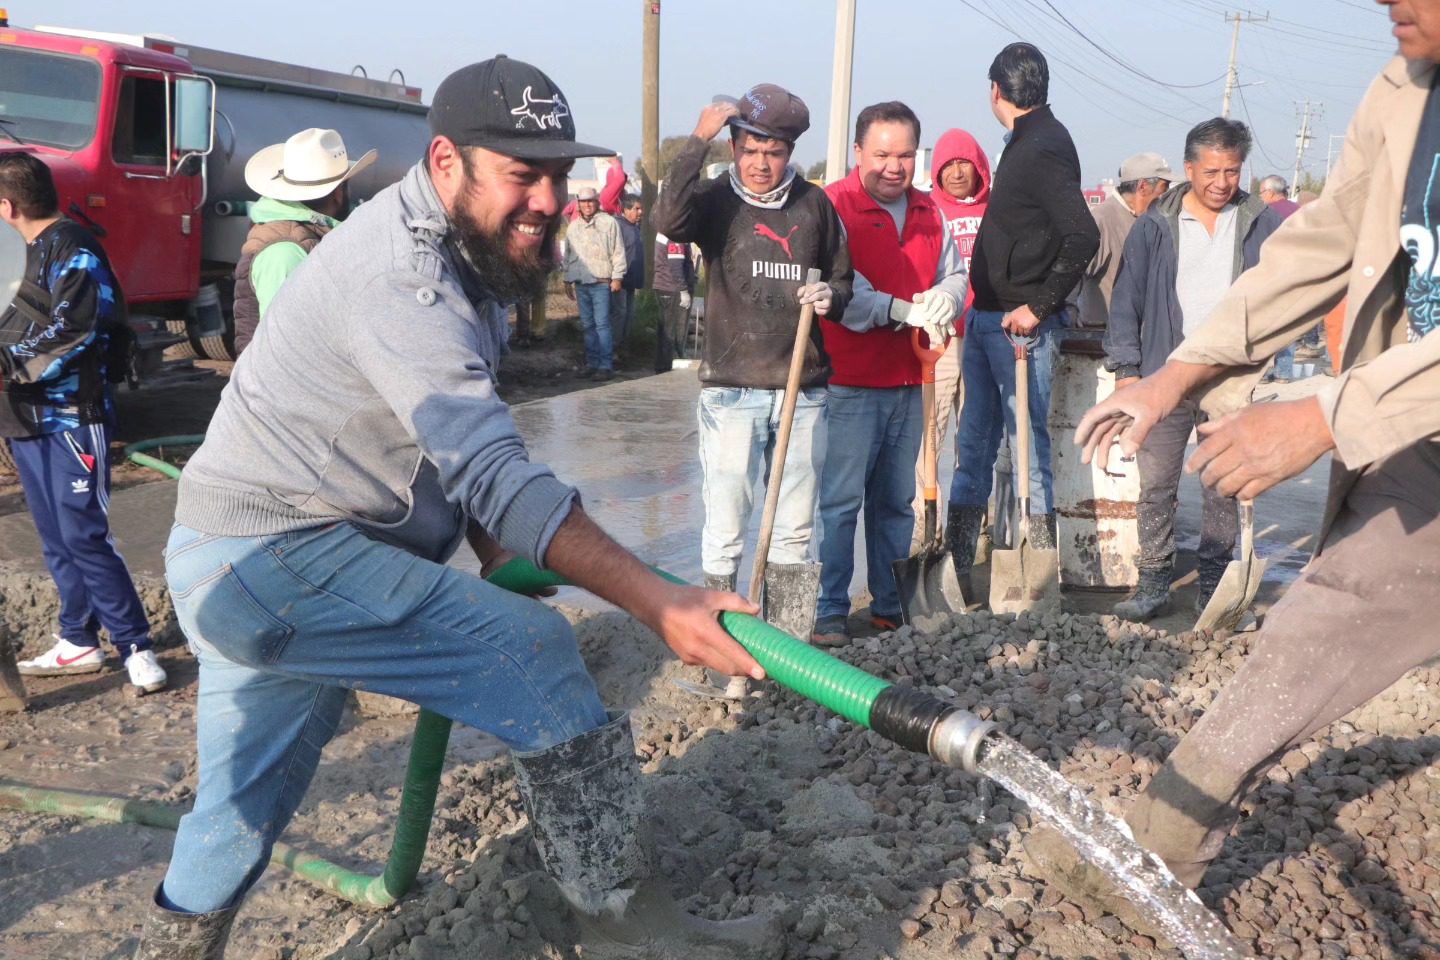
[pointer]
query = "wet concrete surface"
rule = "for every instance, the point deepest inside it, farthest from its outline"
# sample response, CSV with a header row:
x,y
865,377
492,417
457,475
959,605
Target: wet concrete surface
x,y
631,448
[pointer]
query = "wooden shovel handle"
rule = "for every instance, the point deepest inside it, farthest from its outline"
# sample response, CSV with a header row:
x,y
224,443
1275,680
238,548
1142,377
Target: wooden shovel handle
x,y
782,443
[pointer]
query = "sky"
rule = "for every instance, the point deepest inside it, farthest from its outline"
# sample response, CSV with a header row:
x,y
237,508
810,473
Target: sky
x,y
1126,76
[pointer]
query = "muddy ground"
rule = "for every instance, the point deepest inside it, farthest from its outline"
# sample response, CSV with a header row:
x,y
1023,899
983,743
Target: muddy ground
x,y
773,806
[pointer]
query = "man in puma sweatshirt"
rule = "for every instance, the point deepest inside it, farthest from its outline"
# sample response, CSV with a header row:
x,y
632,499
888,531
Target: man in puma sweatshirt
x,y
760,228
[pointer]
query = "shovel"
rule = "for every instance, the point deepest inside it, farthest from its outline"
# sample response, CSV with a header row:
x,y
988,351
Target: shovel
x,y
926,579
1023,577
1236,590
786,593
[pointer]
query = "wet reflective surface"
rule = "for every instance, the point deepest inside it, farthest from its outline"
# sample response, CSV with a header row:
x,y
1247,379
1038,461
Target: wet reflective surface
x,y
632,450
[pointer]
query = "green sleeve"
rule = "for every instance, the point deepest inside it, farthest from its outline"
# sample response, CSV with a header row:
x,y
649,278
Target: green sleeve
x,y
271,268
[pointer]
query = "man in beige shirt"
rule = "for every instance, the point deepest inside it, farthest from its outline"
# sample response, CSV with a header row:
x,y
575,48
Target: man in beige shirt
x,y
1362,614
1143,178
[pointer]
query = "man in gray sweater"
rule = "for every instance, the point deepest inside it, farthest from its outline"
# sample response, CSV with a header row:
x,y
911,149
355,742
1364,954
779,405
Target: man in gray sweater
x,y
358,442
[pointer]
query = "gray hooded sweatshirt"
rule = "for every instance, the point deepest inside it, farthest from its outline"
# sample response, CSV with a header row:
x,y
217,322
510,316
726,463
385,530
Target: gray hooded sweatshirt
x,y
368,395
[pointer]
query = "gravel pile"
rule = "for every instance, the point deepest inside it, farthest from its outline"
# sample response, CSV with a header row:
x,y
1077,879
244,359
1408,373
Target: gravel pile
x,y
865,850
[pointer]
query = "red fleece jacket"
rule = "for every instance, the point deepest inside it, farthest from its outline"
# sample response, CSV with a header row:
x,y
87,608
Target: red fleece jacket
x,y
962,216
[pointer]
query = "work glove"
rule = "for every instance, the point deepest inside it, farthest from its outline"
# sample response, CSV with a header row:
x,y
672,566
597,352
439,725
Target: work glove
x,y
684,299
932,311
819,294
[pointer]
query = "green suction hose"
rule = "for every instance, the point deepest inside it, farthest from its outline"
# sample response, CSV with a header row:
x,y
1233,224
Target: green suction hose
x,y
135,453
916,721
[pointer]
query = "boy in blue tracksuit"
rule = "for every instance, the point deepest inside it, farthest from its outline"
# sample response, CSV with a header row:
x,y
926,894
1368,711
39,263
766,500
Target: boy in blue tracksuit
x,y
57,413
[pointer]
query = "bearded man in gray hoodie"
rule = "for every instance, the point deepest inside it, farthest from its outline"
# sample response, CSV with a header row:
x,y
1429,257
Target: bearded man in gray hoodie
x,y
360,440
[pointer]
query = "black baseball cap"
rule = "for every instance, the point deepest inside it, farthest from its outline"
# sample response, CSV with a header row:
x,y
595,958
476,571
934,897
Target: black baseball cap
x,y
772,111
510,107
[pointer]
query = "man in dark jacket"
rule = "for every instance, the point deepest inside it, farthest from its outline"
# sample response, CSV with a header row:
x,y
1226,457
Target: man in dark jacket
x,y
760,227
674,285
622,303
1179,260
57,411
1034,244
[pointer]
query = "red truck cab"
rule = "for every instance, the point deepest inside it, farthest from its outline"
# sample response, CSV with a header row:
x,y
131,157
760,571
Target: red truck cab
x,y
112,122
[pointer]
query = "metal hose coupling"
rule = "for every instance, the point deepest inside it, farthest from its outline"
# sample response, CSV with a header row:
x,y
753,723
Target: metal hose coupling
x,y
955,740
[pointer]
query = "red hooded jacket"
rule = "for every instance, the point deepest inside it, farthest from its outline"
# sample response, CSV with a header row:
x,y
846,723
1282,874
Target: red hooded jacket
x,y
962,216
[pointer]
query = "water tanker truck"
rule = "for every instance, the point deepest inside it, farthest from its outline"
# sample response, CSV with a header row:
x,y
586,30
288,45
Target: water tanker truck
x,y
148,140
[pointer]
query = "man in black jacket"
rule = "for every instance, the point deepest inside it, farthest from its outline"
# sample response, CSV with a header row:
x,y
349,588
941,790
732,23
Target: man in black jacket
x,y
1034,244
760,228
1179,260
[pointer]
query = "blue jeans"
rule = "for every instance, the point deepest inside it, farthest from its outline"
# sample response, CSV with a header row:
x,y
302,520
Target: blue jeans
x,y
871,464
988,368
66,479
738,430
284,625
622,313
593,299
1285,364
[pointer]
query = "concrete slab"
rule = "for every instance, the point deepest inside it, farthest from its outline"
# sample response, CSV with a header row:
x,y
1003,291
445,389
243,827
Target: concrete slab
x,y
631,447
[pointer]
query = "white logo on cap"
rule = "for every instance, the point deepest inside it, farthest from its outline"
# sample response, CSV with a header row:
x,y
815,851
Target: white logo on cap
x,y
558,111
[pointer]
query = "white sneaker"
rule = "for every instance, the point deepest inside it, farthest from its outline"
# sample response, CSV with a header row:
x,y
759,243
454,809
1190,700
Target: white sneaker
x,y
145,671
65,657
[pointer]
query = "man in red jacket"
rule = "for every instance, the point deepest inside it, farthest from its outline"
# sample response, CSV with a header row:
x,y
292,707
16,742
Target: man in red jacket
x,y
908,273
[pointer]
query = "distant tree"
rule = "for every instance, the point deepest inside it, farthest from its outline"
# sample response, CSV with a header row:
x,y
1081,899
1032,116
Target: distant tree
x,y
1308,181
718,152
816,171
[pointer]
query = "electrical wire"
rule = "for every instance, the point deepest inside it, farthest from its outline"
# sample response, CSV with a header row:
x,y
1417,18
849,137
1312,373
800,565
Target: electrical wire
x,y
1126,65
995,19
1253,134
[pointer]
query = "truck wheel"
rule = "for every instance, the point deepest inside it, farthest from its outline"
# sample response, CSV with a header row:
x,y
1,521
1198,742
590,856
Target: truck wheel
x,y
222,346
180,351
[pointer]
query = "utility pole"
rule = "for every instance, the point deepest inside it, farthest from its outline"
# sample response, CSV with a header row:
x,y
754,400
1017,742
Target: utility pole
x,y
1308,112
836,150
1232,71
650,128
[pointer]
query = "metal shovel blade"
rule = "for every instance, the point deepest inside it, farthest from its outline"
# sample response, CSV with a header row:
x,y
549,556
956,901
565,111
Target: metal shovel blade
x,y
1024,578
791,592
1240,583
927,584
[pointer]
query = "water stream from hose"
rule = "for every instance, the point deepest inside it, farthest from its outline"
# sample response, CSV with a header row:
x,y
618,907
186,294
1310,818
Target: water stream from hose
x,y
1105,842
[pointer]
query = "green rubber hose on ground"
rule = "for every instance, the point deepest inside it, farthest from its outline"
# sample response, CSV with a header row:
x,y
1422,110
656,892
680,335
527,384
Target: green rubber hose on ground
x,y
135,453
407,850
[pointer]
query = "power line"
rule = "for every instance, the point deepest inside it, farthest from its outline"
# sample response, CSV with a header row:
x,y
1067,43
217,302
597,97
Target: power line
x,y
1253,134
1336,44
1333,33
1096,104
1360,6
1135,70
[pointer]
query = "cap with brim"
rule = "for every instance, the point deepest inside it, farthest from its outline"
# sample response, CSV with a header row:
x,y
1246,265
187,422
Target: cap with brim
x,y
308,166
769,110
510,107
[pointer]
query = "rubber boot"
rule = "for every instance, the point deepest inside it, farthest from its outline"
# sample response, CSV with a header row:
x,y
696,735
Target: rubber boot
x,y
962,532
1041,531
1208,578
791,592
724,582
713,683
585,807
1150,599
171,935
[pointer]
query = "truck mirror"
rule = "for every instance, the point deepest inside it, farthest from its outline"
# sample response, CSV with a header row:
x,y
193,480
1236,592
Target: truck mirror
x,y
194,115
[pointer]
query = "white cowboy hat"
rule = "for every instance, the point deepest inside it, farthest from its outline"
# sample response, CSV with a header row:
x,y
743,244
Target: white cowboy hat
x,y
306,167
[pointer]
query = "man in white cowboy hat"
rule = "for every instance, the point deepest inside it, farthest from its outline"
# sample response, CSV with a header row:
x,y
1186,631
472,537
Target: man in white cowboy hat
x,y
303,195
